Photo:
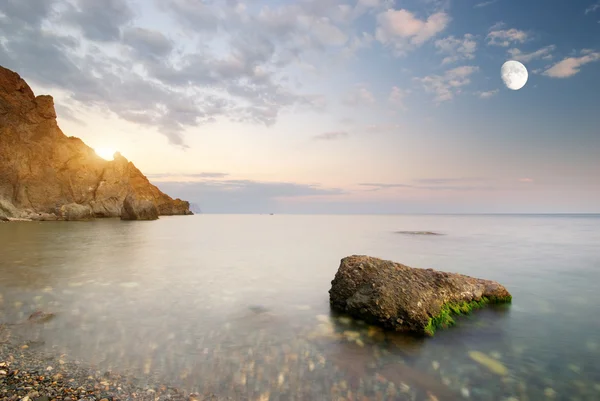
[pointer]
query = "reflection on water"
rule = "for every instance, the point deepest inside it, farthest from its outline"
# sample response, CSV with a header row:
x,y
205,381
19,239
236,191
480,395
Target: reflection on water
x,y
238,305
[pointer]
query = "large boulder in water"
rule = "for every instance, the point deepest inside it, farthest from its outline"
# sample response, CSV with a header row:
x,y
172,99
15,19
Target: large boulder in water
x,y
404,298
138,209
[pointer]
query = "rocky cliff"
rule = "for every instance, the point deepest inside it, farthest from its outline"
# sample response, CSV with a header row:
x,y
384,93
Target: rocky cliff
x,y
45,175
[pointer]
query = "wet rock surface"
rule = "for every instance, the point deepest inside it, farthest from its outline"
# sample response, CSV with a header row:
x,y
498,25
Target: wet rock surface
x,y
407,299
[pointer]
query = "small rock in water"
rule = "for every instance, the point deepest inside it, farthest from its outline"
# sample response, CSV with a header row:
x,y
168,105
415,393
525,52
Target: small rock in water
x,y
549,392
436,365
465,392
344,320
574,368
493,365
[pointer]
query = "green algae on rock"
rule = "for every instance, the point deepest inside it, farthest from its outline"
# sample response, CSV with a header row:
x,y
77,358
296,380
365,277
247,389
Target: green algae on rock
x,y
408,299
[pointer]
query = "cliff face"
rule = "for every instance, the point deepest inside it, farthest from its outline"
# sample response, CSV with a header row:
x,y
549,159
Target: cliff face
x,y
42,170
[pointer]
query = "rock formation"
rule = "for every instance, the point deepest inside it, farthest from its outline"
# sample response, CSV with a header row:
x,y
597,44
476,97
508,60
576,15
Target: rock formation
x,y
45,175
136,209
403,298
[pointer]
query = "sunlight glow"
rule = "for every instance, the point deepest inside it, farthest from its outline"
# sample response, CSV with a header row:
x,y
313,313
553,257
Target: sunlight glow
x,y
105,153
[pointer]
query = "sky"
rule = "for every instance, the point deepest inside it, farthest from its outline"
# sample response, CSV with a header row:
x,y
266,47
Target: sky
x,y
328,106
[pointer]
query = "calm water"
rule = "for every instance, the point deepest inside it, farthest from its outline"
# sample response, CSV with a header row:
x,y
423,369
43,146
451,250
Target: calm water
x,y
238,305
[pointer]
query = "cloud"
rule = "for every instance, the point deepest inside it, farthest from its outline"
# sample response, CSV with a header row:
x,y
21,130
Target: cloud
x,y
359,96
505,37
526,180
402,31
135,73
67,113
592,8
487,94
147,42
449,84
450,180
457,49
397,97
571,65
376,186
436,184
485,3
166,177
99,20
543,53
329,136
243,196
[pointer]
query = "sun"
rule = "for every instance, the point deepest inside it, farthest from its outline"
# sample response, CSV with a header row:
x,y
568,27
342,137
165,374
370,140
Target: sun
x,y
105,153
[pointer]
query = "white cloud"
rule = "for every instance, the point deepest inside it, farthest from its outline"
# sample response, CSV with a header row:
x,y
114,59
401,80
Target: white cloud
x,y
330,136
397,96
360,96
543,53
505,37
457,48
592,8
402,31
485,3
571,65
448,85
487,94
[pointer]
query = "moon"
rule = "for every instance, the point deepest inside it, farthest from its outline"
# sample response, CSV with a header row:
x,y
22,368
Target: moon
x,y
514,75
105,153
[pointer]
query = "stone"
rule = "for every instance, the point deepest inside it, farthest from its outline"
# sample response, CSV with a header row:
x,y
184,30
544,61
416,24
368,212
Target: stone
x,y
407,299
490,363
74,212
42,169
138,209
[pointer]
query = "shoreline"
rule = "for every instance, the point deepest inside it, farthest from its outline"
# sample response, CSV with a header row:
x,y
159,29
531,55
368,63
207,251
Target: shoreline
x,y
29,374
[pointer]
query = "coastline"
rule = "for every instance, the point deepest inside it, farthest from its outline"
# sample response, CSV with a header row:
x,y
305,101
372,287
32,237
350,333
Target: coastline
x,y
30,374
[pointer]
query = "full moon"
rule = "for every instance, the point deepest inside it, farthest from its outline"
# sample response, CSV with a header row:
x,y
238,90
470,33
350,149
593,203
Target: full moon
x,y
514,75
105,153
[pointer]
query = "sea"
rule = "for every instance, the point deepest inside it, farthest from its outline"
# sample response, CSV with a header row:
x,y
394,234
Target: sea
x,y
238,305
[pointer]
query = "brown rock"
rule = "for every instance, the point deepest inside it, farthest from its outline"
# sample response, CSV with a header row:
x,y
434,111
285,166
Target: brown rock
x,y
408,299
74,211
138,209
43,170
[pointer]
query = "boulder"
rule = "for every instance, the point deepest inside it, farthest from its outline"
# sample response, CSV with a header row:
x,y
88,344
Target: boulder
x,y
138,209
76,212
403,298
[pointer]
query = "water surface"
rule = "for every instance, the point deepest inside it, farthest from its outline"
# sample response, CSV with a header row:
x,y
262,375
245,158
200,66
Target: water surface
x,y
238,304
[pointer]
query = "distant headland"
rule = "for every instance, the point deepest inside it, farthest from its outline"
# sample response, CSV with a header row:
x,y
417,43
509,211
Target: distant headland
x,y
45,175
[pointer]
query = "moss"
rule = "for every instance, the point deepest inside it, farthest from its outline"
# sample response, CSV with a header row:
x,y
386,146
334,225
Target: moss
x,y
445,319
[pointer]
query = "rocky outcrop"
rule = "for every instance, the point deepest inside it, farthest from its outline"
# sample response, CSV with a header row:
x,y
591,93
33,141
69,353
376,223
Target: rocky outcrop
x,y
45,173
403,298
75,211
135,209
